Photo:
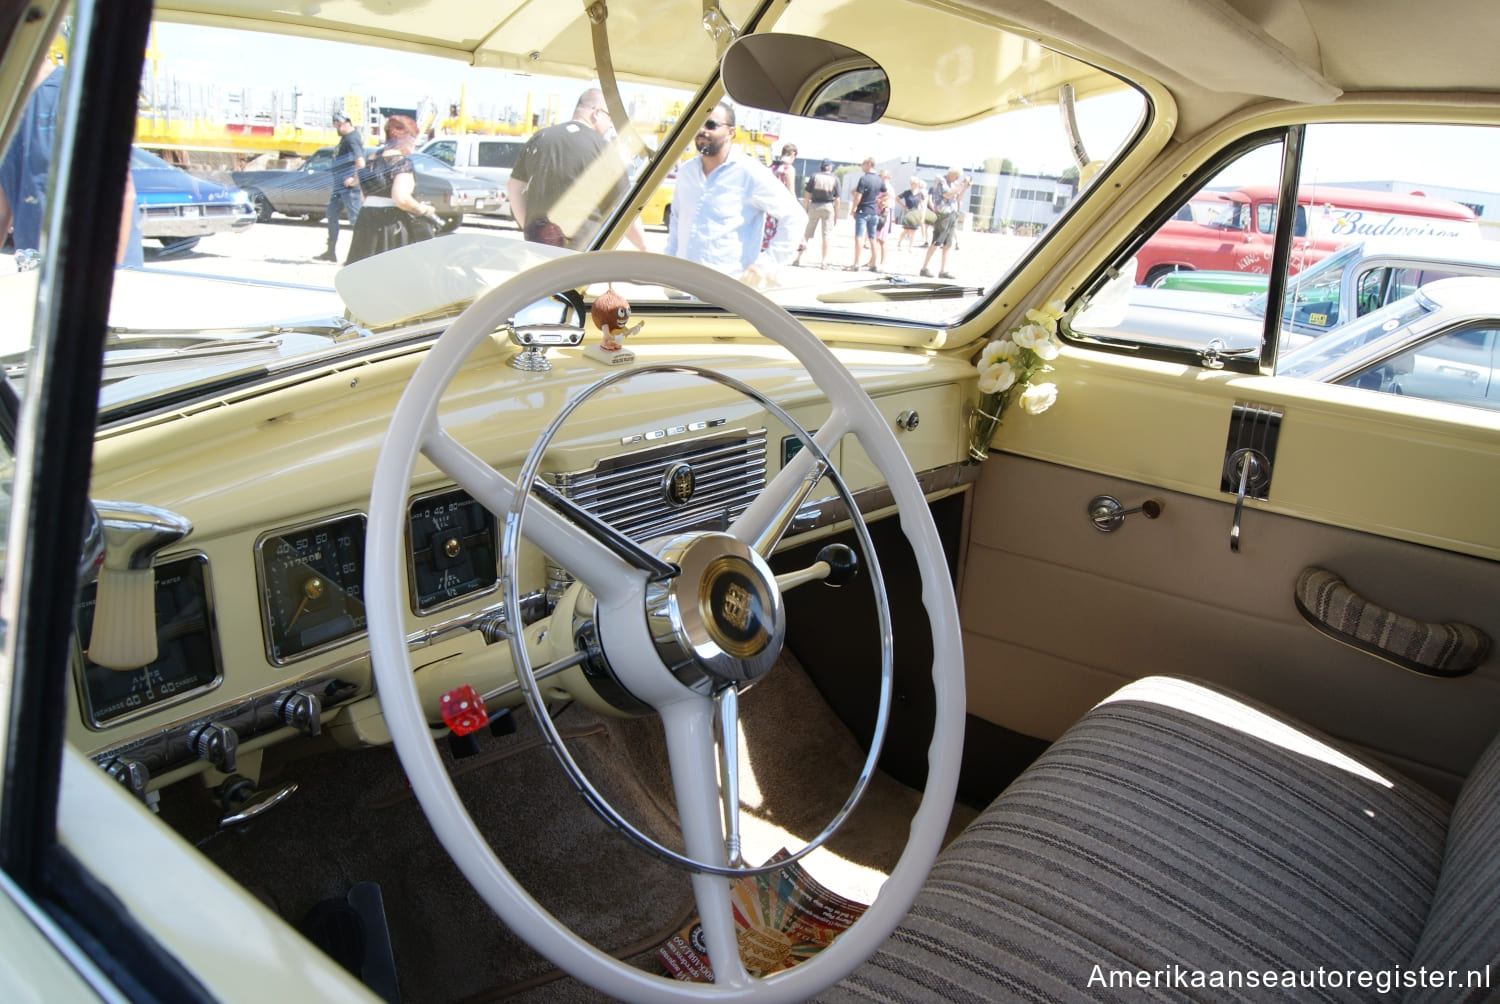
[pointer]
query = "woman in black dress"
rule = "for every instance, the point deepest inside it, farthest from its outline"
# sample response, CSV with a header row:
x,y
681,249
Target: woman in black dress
x,y
392,216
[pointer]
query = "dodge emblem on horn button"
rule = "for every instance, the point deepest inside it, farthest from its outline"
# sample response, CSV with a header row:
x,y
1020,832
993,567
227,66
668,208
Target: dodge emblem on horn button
x,y
678,483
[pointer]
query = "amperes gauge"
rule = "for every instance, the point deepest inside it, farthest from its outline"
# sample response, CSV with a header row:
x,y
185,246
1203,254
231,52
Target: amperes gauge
x,y
451,549
312,586
187,661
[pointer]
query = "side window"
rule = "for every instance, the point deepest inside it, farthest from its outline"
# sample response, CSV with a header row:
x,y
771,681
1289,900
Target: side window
x,y
499,154
1265,218
445,151
1187,283
1375,229
1457,367
1370,289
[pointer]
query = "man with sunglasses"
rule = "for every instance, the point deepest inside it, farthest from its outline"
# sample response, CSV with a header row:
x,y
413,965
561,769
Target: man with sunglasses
x,y
720,205
566,179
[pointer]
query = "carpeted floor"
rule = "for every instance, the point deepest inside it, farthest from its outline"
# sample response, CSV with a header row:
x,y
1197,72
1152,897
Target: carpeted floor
x,y
354,820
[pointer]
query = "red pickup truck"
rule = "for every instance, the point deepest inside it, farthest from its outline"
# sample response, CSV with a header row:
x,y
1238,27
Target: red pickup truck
x,y
1233,231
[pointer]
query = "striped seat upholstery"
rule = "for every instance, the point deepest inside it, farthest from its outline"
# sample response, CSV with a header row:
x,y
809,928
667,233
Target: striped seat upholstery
x,y
1183,842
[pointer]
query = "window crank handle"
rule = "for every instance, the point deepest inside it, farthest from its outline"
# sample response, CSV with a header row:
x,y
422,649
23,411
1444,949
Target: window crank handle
x,y
1251,469
1106,512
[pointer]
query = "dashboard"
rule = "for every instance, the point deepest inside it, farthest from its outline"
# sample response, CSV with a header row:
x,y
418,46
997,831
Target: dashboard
x,y
259,611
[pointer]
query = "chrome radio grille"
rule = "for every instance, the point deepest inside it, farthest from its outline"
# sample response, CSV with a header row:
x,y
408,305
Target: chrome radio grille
x,y
693,485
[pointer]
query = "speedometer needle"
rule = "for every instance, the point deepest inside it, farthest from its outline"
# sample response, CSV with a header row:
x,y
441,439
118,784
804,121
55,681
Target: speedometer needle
x,y
311,590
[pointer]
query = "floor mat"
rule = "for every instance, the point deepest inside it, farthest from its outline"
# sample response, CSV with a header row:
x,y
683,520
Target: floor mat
x,y
353,820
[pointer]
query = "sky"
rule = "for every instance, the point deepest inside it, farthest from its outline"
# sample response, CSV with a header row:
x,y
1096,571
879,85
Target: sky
x,y
193,55
1032,140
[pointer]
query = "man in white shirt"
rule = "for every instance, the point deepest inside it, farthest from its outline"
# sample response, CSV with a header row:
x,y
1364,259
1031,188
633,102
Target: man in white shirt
x,y
720,204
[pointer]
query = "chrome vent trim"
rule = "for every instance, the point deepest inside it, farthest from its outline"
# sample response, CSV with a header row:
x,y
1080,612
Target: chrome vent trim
x,y
627,491
729,471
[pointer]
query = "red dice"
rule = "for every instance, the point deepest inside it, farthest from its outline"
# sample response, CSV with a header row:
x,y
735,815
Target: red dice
x,y
463,710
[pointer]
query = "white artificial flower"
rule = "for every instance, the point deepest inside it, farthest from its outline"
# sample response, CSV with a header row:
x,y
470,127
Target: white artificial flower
x,y
1047,350
1038,397
996,351
996,378
1048,314
1029,336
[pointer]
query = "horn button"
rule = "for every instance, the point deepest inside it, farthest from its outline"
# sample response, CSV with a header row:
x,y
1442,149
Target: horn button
x,y
721,619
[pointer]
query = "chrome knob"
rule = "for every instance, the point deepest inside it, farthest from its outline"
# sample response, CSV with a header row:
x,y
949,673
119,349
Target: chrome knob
x,y
302,711
217,744
908,420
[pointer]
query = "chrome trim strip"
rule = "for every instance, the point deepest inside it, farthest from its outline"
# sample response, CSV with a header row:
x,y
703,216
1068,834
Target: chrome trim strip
x,y
829,511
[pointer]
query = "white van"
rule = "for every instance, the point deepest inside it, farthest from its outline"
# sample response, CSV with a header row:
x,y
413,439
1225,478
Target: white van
x,y
489,158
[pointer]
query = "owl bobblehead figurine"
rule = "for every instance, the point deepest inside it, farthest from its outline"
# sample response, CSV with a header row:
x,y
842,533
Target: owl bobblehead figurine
x,y
611,314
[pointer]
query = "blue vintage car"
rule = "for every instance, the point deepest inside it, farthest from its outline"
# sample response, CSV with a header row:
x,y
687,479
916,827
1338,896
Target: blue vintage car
x,y
176,208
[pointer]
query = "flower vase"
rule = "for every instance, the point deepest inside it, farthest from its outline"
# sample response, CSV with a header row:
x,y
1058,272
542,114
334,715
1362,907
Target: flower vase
x,y
983,421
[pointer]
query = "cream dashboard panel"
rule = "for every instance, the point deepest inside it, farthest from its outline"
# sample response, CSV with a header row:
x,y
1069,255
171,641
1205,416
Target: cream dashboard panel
x,y
286,466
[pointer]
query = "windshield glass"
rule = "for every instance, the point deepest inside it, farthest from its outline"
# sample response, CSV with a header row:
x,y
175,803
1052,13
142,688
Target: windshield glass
x,y
274,170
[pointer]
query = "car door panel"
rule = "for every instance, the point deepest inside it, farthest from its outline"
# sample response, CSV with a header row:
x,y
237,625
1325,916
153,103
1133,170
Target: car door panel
x,y
1082,611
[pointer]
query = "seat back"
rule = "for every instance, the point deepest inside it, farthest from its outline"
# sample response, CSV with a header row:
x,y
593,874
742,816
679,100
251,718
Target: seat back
x,y
1462,934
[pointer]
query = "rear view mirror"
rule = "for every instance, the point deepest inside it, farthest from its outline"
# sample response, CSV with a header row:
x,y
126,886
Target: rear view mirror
x,y
810,77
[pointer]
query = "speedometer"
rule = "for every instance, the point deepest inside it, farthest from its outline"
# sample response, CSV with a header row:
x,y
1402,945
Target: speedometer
x,y
312,586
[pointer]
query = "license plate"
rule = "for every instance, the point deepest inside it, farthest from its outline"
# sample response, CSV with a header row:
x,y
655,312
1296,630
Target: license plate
x,y
478,203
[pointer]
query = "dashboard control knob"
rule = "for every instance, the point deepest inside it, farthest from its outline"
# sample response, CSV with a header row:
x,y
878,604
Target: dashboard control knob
x,y
908,420
302,711
843,563
133,776
215,743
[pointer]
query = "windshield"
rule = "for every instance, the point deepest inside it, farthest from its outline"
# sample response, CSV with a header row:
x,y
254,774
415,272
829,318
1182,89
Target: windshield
x,y
284,166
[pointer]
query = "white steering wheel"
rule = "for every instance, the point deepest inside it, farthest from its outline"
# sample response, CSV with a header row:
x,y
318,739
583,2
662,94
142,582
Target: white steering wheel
x,y
640,653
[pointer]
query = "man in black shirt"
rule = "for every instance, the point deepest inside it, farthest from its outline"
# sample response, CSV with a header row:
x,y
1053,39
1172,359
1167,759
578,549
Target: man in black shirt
x,y
866,213
348,161
567,178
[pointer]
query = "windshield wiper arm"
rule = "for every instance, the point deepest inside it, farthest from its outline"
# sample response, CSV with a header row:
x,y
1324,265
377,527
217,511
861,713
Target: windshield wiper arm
x,y
899,289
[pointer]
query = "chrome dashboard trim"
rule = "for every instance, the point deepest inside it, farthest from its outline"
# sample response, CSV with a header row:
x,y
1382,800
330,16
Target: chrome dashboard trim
x,y
830,511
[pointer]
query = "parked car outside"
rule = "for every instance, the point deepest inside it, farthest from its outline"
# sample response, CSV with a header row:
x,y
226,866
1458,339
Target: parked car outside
x,y
487,158
304,191
1183,309
1238,235
1437,343
176,208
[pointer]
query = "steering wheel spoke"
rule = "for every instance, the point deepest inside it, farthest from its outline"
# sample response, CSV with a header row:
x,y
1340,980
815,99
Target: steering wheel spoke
x,y
689,728
593,556
768,518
